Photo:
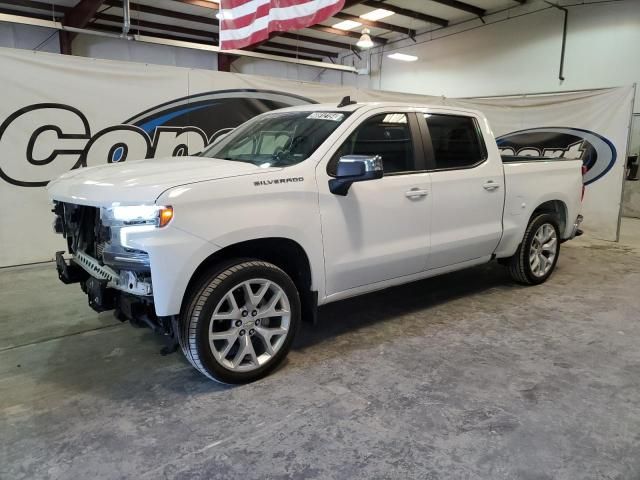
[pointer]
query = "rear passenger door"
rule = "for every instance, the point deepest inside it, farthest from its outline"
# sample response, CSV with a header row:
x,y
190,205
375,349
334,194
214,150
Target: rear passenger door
x,y
467,186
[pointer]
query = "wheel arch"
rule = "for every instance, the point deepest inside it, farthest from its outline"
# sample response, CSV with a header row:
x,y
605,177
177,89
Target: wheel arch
x,y
553,204
557,208
283,252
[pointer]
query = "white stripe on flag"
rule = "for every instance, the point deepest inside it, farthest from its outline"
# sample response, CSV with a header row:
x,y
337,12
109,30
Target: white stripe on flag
x,y
244,32
243,10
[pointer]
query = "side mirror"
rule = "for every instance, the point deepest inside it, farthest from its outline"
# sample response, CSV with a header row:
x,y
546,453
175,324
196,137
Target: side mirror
x,y
355,168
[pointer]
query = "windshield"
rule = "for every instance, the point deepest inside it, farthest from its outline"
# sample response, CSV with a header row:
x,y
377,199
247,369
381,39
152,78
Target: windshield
x,y
277,139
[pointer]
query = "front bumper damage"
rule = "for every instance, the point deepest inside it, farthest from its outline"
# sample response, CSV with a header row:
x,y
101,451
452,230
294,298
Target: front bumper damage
x,y
102,284
106,291
113,277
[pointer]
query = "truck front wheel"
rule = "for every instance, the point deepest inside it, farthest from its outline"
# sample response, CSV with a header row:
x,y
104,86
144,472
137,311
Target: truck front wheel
x,y
239,324
537,256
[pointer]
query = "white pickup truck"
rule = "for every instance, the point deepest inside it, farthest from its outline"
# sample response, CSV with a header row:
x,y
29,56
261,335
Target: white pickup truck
x,y
225,252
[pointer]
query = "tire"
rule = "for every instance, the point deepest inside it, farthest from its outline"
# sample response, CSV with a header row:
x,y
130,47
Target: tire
x,y
523,267
232,347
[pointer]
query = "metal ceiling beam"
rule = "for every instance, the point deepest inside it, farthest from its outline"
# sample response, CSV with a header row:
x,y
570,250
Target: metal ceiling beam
x,y
163,12
38,16
80,15
351,3
77,17
407,13
345,33
465,7
135,23
376,24
263,49
144,30
49,7
318,41
303,50
200,3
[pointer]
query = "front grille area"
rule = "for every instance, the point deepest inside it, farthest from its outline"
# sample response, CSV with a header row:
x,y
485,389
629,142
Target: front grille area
x,y
82,227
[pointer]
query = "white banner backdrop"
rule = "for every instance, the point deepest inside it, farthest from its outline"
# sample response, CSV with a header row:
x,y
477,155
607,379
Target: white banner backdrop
x,y
62,112
591,125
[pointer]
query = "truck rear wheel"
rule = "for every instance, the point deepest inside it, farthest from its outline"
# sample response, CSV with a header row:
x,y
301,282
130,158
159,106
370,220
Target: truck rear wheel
x,y
537,256
239,324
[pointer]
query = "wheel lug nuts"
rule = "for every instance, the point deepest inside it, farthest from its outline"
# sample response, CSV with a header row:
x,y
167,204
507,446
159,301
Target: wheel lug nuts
x,y
252,331
257,322
245,313
238,323
254,313
242,332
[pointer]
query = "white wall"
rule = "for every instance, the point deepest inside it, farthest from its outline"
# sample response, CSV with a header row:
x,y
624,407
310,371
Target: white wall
x,y
285,70
521,55
125,50
13,35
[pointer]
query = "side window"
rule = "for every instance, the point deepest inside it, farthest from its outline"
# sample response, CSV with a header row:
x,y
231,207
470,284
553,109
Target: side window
x,y
387,135
456,140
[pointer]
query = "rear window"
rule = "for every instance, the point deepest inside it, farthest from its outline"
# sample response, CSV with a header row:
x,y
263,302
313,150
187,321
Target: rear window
x,y
456,141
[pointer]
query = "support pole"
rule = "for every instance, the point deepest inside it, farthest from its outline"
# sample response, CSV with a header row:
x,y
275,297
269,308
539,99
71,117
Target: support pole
x,y
564,38
126,18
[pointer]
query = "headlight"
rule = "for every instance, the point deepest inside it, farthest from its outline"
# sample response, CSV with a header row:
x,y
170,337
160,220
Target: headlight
x,y
155,215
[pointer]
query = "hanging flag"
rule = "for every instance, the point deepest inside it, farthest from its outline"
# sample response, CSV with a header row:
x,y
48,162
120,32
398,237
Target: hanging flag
x,y
245,22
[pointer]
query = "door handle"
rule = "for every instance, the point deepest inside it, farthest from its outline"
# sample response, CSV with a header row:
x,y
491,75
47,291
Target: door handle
x,y
416,193
491,186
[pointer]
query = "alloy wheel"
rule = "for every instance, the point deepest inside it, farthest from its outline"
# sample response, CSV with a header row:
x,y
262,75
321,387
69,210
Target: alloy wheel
x,y
250,324
543,250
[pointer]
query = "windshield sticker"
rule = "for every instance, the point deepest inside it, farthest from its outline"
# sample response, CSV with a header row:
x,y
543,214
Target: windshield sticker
x,y
332,116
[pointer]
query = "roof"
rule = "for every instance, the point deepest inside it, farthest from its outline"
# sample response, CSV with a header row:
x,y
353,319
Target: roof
x,y
333,107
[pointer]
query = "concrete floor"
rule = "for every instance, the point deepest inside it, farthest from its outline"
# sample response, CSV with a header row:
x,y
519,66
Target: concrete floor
x,y
466,376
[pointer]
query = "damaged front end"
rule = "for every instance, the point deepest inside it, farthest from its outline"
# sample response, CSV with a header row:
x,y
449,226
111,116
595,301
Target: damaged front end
x,y
113,275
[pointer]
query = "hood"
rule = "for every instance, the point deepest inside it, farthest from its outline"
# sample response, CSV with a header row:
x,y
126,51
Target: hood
x,y
142,181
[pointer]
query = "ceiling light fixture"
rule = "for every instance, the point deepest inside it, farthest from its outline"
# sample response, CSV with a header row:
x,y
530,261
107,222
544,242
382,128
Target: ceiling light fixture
x,y
403,57
347,25
378,14
365,39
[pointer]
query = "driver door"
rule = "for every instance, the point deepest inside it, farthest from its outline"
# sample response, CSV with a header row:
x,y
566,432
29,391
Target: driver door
x,y
380,230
